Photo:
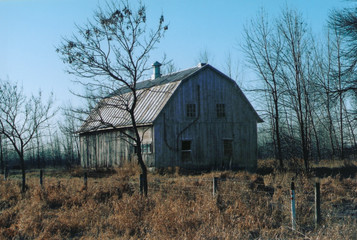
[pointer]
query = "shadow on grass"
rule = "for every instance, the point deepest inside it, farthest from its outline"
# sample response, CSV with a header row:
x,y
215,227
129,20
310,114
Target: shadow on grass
x,y
265,170
348,171
93,173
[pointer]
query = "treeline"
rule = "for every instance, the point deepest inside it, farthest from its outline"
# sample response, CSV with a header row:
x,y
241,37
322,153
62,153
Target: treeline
x,y
47,149
306,87
29,134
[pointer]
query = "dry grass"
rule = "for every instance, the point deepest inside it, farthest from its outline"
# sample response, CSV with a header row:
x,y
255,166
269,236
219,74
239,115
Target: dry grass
x,y
247,206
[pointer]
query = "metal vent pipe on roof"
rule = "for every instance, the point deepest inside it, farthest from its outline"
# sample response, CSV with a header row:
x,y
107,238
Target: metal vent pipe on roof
x,y
156,66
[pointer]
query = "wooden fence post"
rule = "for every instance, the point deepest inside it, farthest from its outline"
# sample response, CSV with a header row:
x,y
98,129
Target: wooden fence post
x,y
85,180
41,178
317,204
293,211
215,186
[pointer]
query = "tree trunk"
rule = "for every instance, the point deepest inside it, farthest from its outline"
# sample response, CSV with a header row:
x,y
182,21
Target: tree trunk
x,y
144,173
342,155
277,132
139,153
331,127
305,150
353,137
340,99
1,156
38,150
22,162
142,165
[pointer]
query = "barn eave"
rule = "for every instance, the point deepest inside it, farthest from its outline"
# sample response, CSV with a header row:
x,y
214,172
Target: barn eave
x,y
117,128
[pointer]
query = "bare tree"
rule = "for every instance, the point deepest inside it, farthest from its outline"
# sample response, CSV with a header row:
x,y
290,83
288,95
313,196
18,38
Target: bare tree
x,y
69,127
204,56
292,29
324,79
313,102
233,69
110,55
263,47
169,68
306,86
339,79
345,22
21,118
2,164
350,122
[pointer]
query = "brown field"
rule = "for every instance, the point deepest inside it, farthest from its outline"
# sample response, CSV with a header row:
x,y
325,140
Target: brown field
x,y
180,205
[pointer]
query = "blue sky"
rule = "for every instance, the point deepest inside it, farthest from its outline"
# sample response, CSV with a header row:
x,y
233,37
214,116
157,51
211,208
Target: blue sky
x,y
30,30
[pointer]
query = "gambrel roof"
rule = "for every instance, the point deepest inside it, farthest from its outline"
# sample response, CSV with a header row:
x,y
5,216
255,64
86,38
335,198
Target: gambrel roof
x,y
152,97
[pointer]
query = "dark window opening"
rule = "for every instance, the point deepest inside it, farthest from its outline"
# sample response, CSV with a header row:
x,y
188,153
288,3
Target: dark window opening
x,y
191,110
221,111
228,148
186,146
186,150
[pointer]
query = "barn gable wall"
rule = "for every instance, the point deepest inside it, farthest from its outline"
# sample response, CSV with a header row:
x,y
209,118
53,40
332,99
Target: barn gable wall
x,y
206,132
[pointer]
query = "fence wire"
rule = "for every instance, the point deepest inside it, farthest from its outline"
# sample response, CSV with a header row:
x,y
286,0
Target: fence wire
x,y
335,204
234,188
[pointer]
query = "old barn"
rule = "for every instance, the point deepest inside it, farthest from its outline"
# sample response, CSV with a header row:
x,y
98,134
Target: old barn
x,y
196,118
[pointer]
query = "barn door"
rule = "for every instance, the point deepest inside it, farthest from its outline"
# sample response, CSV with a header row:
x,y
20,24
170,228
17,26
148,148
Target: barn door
x,y
227,153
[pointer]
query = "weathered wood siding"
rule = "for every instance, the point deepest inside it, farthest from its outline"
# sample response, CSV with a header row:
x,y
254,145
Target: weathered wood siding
x,y
111,148
207,132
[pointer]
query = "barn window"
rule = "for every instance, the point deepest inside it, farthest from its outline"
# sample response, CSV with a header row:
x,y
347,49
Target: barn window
x,y
221,111
186,150
145,148
228,148
191,110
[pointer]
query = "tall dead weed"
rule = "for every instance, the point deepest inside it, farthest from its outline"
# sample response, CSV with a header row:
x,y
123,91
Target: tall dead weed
x,y
246,206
